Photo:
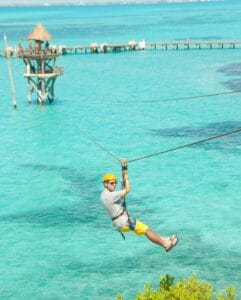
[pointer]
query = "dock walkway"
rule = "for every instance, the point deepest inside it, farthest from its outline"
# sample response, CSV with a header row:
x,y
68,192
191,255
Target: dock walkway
x,y
185,45
131,46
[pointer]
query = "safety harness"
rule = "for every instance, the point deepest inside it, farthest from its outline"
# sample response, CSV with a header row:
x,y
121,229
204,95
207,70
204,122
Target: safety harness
x,y
131,221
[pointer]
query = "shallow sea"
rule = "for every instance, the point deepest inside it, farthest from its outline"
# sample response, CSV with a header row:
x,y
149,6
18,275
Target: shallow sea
x,y
56,242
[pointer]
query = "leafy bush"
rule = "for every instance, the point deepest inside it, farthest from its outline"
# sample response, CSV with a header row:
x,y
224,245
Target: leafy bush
x,y
185,289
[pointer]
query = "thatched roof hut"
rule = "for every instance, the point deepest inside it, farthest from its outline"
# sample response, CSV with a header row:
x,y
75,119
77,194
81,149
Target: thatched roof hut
x,y
39,33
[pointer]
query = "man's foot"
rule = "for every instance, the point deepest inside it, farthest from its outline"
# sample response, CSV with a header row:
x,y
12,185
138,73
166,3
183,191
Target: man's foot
x,y
173,242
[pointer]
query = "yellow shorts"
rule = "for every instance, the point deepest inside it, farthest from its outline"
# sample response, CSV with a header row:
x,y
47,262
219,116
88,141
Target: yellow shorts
x,y
140,228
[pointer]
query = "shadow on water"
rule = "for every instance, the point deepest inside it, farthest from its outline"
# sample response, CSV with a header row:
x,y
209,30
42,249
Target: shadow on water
x,y
202,132
52,217
233,69
234,84
84,211
78,182
192,254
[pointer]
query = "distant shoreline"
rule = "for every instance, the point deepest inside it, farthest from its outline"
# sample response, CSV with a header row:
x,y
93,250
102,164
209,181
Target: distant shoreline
x,y
93,3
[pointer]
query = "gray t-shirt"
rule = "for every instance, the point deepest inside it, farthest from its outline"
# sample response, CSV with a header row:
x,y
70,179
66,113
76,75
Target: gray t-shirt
x,y
113,205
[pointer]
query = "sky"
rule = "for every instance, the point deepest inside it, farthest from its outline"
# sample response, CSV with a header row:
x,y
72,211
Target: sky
x,y
53,2
69,2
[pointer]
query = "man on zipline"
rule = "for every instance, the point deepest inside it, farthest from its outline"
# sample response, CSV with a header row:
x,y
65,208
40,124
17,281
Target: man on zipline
x,y
114,203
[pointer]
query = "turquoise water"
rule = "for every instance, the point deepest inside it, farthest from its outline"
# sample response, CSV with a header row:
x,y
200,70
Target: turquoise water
x,y
56,241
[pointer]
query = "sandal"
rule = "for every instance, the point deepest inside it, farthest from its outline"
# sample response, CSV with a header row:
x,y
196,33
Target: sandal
x,y
173,242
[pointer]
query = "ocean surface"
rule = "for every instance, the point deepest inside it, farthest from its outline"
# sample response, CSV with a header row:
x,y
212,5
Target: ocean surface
x,y
56,241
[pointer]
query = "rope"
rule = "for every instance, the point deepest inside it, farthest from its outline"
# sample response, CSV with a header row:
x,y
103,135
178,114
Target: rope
x,y
89,137
186,145
200,96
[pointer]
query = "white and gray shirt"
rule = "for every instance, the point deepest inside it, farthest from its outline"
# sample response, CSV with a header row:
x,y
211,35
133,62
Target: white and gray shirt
x,y
114,207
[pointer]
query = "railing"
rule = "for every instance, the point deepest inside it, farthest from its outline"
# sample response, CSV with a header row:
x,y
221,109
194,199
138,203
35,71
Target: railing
x,y
55,72
54,51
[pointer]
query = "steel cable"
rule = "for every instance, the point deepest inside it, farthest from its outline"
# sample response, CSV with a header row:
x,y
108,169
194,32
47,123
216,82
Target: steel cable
x,y
186,145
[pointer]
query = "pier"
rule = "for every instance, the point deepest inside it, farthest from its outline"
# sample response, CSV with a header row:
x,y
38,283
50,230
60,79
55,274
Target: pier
x,y
95,48
132,46
40,57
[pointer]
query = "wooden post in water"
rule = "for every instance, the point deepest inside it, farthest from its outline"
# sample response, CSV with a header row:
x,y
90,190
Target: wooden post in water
x,y
10,72
41,71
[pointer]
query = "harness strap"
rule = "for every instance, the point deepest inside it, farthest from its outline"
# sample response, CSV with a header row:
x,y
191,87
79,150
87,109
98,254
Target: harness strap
x,y
122,234
132,222
113,219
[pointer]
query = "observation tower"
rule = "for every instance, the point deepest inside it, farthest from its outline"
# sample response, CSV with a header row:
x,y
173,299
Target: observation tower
x,y
40,61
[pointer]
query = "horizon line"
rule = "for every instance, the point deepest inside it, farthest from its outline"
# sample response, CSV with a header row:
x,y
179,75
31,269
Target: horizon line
x,y
111,2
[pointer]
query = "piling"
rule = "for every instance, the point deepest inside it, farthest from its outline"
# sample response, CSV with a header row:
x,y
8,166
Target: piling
x,y
8,54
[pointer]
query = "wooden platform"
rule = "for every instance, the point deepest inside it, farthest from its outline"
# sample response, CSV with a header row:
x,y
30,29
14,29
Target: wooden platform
x,y
185,45
132,46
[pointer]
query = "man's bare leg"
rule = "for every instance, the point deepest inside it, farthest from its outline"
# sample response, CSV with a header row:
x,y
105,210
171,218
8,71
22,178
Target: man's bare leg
x,y
166,243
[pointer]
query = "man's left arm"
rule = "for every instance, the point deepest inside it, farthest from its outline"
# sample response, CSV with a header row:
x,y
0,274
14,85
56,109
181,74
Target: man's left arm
x,y
125,179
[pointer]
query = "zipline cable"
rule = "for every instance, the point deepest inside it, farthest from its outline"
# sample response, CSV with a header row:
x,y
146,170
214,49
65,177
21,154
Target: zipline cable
x,y
99,145
186,145
89,137
199,96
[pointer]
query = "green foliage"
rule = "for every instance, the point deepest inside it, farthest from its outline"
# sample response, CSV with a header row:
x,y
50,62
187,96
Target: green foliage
x,y
119,297
166,282
184,289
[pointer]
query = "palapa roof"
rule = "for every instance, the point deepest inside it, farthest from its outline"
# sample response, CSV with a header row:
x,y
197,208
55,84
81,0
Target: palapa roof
x,y
39,33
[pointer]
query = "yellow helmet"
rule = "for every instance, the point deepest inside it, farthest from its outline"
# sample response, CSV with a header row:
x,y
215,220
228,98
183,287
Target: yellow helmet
x,y
108,177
